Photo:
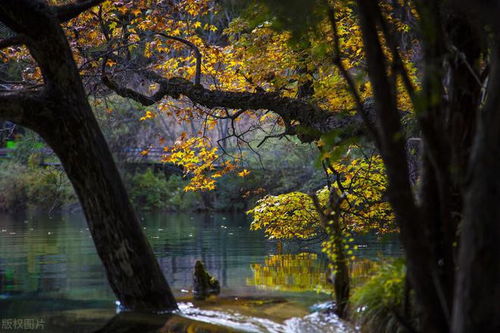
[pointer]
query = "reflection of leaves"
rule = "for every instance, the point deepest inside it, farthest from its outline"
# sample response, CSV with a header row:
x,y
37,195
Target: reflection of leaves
x,y
304,272
291,272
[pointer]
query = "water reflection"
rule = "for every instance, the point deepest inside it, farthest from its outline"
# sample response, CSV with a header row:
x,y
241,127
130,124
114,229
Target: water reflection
x,y
291,272
304,272
49,267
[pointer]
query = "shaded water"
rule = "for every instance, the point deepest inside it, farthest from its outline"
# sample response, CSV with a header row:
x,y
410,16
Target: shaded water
x,y
50,274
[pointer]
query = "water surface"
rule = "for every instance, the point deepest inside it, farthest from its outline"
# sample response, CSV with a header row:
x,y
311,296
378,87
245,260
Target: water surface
x,y
50,272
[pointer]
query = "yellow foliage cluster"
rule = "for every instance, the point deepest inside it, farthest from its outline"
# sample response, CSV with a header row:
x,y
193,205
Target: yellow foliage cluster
x,y
249,58
362,183
199,161
286,216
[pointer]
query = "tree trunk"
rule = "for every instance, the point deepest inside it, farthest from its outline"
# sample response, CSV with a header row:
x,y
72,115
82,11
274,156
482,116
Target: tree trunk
x,y
132,270
477,291
61,114
342,280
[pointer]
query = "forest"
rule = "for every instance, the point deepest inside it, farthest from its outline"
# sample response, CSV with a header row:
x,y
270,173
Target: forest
x,y
249,166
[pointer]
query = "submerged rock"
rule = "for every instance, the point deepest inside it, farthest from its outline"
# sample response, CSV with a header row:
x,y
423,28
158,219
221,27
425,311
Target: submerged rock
x,y
204,284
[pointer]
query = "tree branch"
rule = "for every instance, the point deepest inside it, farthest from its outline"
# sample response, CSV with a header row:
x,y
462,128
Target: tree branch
x,y
67,12
15,40
196,51
19,107
337,60
311,121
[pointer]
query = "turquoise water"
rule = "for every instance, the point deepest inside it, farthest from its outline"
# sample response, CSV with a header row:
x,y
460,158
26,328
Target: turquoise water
x,y
50,272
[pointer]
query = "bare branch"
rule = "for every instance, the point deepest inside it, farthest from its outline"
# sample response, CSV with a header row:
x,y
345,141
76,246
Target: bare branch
x,y
267,137
19,107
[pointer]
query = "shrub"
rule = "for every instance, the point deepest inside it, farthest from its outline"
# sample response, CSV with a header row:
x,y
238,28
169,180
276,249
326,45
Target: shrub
x,y
380,304
180,200
48,188
149,191
13,194
22,187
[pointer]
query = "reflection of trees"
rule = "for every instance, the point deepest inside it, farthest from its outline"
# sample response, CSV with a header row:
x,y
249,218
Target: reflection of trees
x,y
361,270
302,272
291,272
50,256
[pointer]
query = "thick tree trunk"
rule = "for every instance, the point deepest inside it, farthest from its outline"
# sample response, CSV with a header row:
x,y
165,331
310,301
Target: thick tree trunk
x,y
132,270
61,114
477,291
421,270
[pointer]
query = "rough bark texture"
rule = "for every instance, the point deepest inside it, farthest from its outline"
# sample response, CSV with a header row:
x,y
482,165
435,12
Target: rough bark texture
x,y
60,113
392,148
477,292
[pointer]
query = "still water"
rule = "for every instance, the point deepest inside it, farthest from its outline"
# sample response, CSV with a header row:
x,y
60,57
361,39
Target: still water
x,y
50,274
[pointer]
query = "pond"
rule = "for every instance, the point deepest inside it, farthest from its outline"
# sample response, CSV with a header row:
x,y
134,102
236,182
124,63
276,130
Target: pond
x,y
52,278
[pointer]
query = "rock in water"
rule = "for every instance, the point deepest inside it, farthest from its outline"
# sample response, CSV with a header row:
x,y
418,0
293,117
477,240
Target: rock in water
x,y
204,284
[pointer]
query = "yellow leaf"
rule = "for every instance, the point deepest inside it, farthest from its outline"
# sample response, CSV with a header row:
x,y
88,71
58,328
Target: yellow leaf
x,y
244,173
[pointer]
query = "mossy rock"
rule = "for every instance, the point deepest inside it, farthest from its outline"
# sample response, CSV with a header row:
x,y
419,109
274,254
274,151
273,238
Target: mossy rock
x,y
204,284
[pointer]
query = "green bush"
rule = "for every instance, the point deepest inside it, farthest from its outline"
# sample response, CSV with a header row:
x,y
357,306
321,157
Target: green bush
x,y
230,190
179,199
380,303
149,191
35,187
13,193
49,188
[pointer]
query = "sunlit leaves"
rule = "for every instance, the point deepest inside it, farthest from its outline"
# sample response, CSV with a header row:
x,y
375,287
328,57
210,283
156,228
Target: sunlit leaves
x,y
243,173
363,184
148,115
276,46
200,161
290,215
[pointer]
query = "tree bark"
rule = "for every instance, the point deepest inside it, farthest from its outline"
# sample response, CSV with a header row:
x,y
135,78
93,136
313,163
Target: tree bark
x,y
341,283
421,270
61,114
477,290
131,267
